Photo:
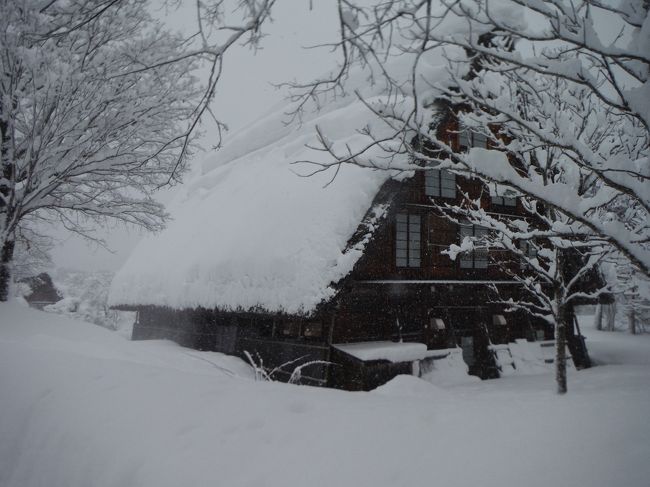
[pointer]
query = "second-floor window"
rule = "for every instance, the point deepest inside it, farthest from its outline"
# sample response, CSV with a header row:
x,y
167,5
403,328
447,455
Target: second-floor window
x,y
407,240
477,258
468,139
528,250
439,182
502,195
504,200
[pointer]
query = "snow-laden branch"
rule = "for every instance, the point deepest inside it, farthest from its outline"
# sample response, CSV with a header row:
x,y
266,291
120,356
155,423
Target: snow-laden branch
x,y
99,106
535,77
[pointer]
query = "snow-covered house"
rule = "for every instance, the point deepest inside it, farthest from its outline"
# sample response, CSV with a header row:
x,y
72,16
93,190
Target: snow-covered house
x,y
342,268
39,291
259,259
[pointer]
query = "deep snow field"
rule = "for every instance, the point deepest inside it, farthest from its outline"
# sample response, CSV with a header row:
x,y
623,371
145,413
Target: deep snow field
x,y
81,406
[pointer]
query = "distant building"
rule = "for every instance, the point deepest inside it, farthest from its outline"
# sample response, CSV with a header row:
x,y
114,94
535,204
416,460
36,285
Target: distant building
x,y
41,291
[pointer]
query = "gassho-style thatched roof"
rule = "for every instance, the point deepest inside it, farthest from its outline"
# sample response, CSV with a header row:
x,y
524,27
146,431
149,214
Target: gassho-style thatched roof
x,y
248,231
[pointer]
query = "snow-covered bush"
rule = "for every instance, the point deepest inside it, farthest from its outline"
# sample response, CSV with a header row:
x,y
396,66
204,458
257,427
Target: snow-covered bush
x,y
85,298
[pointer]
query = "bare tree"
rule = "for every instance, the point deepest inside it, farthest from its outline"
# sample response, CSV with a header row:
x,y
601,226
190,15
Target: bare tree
x,y
556,268
555,257
98,106
632,290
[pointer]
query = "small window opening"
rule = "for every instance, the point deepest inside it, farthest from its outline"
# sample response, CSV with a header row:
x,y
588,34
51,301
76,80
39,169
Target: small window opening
x,y
499,320
438,324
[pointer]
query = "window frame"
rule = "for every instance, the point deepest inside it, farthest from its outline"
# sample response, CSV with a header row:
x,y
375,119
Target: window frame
x,y
437,324
408,239
290,329
440,183
506,201
529,251
312,330
471,139
477,258
499,320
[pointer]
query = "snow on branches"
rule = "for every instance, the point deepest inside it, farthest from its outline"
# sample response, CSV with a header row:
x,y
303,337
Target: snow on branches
x,y
98,106
552,75
561,90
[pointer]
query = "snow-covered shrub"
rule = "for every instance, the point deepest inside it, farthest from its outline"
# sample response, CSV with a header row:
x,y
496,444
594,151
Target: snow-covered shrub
x,y
85,297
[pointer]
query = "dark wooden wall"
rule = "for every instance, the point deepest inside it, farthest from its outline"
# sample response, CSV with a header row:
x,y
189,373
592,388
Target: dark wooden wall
x,y
351,374
437,233
382,301
273,340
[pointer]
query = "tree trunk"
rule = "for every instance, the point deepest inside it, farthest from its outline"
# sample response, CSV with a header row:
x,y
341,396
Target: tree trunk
x,y
598,319
6,256
560,351
611,316
631,317
631,299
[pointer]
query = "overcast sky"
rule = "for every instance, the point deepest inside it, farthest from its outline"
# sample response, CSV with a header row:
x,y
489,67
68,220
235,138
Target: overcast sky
x,y
245,92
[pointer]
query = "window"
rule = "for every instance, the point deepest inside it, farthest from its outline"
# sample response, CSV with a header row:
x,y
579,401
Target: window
x,y
528,250
290,329
504,200
439,182
312,330
478,258
502,195
296,329
499,320
438,324
407,240
467,139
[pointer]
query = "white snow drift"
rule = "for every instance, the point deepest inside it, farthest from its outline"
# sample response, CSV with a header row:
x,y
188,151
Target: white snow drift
x,y
80,406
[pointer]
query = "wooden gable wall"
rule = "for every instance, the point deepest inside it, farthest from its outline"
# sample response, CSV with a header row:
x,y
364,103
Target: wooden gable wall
x,y
384,301
437,232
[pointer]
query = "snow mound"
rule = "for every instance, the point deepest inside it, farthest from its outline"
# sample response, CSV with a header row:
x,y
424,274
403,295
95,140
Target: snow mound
x,y
409,385
615,347
81,406
39,330
446,368
250,231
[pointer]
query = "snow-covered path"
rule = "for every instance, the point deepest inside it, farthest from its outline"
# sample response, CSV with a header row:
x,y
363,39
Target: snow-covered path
x,y
82,406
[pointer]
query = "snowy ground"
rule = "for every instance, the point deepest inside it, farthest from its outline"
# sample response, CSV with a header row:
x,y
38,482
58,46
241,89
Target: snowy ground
x,y
82,406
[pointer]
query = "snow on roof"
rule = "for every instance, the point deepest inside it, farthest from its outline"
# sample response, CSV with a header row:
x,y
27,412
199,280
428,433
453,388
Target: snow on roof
x,y
391,351
248,231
